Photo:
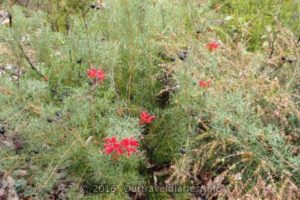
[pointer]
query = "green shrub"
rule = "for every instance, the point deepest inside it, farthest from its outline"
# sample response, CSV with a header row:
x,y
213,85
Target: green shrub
x,y
249,21
243,125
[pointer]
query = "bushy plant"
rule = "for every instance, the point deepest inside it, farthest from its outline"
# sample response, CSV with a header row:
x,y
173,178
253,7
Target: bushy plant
x,y
77,81
244,22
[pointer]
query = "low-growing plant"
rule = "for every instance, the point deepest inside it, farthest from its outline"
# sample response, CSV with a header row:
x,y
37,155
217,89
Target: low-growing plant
x,y
150,93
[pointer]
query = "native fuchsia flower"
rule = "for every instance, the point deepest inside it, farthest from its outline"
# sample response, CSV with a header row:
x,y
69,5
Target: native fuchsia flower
x,y
146,118
117,148
204,84
213,46
96,74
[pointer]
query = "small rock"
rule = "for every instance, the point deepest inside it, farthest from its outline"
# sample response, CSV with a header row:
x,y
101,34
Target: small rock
x,y
25,38
58,114
14,78
49,119
182,55
5,18
21,172
93,6
2,130
182,150
11,68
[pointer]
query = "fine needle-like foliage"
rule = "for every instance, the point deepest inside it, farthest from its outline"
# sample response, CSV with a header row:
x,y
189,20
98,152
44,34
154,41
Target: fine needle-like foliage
x,y
118,99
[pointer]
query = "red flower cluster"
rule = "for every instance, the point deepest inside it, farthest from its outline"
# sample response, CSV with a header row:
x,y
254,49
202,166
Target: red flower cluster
x,y
112,145
96,74
204,84
146,118
212,46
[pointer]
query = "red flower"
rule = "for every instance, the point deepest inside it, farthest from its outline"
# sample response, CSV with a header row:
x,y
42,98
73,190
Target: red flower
x,y
111,145
130,145
204,84
92,72
212,46
96,74
100,75
146,118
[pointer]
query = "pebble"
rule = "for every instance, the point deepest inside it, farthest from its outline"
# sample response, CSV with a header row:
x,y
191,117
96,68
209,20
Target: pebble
x,y
182,151
58,114
49,119
2,130
182,55
21,172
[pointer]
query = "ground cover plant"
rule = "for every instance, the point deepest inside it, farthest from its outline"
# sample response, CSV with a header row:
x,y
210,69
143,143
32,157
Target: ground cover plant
x,y
126,99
